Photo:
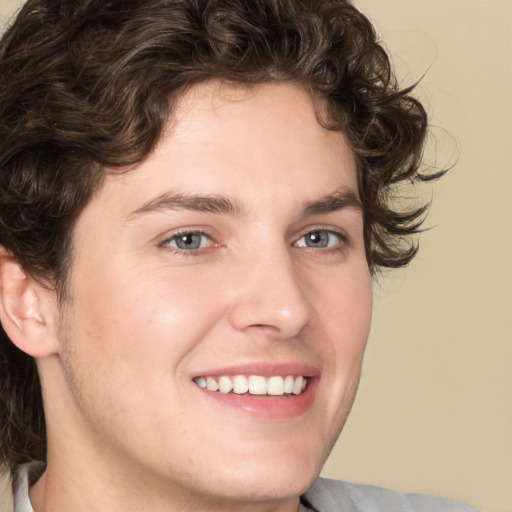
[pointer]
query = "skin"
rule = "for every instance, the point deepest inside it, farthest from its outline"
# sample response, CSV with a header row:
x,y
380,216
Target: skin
x,y
127,427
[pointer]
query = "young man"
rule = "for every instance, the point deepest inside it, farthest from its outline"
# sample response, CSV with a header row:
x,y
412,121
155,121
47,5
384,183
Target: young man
x,y
193,199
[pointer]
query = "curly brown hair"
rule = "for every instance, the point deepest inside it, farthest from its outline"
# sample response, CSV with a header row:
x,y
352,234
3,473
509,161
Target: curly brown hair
x,y
87,85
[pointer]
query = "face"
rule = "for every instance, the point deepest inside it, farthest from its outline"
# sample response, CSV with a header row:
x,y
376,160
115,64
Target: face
x,y
233,257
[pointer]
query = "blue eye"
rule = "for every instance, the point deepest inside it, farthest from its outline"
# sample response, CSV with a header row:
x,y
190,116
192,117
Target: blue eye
x,y
319,239
188,241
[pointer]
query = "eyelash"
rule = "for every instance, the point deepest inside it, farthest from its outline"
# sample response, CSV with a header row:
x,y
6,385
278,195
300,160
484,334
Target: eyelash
x,y
339,246
185,252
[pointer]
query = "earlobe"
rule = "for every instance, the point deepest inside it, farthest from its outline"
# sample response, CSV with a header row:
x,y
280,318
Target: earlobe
x,y
21,310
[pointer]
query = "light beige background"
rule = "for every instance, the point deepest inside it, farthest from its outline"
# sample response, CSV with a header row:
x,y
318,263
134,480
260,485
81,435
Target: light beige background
x,y
434,411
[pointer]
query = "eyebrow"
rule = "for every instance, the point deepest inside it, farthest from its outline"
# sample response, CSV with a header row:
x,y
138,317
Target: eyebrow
x,y
339,200
217,204
200,203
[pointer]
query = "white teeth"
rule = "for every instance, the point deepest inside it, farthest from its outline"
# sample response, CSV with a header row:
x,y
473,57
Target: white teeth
x,y
201,382
254,384
257,385
240,384
225,384
211,384
288,384
297,386
275,386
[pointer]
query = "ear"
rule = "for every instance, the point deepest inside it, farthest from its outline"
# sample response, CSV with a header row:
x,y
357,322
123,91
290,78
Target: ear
x,y
26,309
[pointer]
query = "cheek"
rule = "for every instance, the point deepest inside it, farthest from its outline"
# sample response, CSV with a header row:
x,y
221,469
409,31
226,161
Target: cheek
x,y
345,317
126,341
146,318
345,307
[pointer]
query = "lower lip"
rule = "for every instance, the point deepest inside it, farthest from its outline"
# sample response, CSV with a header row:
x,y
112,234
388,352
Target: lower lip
x,y
266,407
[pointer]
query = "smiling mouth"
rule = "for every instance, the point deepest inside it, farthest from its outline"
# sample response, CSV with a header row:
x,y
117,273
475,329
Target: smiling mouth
x,y
254,384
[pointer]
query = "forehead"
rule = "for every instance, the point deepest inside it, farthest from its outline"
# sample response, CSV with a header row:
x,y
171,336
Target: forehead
x,y
277,116
259,143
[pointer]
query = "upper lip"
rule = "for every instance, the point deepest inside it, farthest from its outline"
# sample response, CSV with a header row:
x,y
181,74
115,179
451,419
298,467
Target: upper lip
x,y
264,369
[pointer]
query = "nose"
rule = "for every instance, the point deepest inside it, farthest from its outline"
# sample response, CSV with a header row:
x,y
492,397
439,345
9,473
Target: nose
x,y
269,297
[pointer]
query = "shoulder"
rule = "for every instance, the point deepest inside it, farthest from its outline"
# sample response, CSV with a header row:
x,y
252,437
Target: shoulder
x,y
333,495
26,475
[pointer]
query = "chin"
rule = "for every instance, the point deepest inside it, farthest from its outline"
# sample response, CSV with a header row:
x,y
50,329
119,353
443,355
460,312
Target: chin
x,y
272,486
279,476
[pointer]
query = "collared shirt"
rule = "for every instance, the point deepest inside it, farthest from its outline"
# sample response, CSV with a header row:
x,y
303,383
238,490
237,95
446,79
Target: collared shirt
x,y
325,496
